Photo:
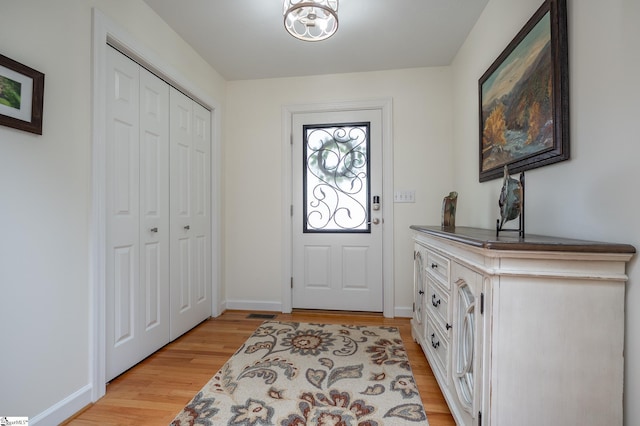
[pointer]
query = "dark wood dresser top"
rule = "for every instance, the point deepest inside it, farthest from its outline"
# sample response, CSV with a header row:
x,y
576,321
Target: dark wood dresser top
x,y
486,238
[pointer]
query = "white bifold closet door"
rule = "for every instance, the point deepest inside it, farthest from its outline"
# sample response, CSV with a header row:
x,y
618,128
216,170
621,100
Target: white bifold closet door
x,y
158,269
190,235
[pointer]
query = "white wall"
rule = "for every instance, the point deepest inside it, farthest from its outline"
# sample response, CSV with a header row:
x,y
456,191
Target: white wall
x,y
45,180
593,195
253,141
45,197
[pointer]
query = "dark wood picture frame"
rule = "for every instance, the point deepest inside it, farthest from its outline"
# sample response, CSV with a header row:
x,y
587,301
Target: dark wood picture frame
x,y
524,98
21,110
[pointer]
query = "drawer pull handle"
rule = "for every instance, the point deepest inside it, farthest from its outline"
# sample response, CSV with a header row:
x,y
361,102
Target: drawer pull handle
x,y
448,326
435,302
420,292
434,344
434,265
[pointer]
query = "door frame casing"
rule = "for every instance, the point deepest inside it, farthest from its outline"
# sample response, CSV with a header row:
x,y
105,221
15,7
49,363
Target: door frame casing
x,y
106,31
384,105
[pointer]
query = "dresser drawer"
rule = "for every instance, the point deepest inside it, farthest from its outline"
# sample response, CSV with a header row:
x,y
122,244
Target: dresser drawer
x,y
438,267
437,348
436,301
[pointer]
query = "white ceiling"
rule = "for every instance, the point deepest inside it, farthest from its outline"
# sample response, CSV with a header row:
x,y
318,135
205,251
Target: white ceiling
x,y
246,39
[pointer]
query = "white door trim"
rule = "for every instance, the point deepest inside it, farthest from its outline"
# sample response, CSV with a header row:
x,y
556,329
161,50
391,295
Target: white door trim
x,y
385,106
106,31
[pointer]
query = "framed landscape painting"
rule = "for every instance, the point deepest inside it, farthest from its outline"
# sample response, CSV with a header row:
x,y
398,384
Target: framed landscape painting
x,y
21,96
524,99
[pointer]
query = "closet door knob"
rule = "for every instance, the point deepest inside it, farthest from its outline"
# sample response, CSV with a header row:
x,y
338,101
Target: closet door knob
x,y
153,230
187,227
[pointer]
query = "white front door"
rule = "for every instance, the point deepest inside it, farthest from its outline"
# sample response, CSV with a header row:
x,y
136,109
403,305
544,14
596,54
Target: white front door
x,y
137,253
337,210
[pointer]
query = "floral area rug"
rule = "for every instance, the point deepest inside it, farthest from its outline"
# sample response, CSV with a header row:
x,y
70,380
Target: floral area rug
x,y
294,374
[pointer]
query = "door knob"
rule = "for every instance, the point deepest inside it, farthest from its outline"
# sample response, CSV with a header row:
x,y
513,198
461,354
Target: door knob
x,y
187,227
153,230
375,221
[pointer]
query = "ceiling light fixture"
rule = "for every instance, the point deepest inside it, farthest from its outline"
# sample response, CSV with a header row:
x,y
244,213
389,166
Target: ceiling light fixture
x,y
311,20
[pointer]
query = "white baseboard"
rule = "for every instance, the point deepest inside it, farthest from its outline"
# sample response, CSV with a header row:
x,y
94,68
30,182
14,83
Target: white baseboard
x,y
403,312
222,306
252,305
64,409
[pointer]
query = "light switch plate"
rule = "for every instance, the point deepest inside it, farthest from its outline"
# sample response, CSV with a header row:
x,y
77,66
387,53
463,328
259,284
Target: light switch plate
x,y
405,196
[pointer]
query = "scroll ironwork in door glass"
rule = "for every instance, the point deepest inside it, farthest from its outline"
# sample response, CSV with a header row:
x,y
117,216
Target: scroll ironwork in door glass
x,y
336,184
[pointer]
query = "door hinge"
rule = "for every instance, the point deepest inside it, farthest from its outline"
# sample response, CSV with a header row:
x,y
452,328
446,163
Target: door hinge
x,y
291,210
414,307
414,255
291,282
479,418
290,138
481,303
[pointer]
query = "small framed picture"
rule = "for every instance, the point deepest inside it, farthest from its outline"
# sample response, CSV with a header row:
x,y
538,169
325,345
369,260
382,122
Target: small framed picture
x,y
21,96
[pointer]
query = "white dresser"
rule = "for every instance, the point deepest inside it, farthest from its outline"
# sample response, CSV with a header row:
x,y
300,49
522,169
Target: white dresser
x,y
522,331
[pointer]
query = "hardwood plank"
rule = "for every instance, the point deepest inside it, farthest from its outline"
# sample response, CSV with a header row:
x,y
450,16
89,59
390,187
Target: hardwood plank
x,y
155,391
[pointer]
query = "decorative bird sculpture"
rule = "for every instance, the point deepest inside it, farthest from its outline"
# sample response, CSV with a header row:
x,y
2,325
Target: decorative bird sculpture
x,y
510,200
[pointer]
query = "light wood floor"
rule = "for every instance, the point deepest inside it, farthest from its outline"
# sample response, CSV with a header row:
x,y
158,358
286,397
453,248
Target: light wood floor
x,y
155,390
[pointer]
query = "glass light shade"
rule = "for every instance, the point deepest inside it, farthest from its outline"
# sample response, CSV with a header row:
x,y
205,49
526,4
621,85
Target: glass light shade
x,y
311,20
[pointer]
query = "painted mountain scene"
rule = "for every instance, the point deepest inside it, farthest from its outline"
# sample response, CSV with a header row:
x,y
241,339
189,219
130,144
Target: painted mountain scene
x,y
517,102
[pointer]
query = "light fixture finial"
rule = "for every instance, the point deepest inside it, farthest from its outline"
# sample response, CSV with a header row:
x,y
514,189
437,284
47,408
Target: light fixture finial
x,y
311,20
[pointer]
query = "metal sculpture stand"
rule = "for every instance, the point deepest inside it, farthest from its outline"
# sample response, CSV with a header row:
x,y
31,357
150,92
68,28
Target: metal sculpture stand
x,y
520,229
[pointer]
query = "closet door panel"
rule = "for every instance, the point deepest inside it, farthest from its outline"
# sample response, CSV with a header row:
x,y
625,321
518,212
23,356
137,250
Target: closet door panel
x,y
181,129
190,217
123,290
122,150
123,211
154,209
155,317
201,206
182,183
137,253
180,266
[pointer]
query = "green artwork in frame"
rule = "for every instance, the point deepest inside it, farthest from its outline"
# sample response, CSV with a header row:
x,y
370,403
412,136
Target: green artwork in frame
x,y
21,96
10,92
